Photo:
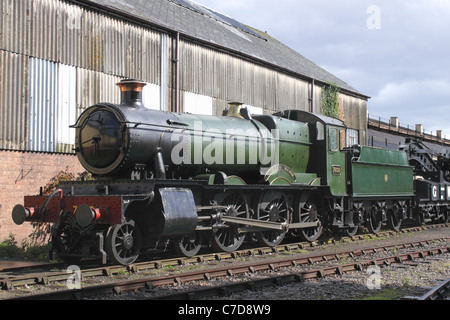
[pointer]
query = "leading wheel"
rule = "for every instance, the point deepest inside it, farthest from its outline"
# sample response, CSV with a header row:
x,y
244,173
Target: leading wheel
x,y
226,236
123,243
273,206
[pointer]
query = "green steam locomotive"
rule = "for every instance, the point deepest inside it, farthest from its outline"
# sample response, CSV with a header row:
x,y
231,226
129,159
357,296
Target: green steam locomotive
x,y
191,181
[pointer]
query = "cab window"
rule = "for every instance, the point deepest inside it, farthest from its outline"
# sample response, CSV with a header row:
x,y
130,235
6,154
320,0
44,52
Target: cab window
x,y
320,131
333,140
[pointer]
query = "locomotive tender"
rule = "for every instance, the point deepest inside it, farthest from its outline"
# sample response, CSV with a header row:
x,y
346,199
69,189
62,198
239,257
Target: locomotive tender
x,y
191,180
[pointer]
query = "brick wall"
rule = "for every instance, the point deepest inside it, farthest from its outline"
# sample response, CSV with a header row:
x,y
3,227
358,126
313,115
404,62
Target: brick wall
x,y
23,173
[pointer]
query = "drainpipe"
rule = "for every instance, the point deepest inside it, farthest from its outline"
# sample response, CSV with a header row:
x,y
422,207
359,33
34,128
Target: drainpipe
x,y
312,95
177,73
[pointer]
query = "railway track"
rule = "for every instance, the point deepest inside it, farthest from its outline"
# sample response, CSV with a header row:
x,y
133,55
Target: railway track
x,y
339,268
11,280
320,272
439,292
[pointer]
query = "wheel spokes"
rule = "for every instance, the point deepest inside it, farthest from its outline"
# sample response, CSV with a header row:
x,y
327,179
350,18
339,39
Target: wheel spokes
x,y
309,210
273,207
123,243
227,236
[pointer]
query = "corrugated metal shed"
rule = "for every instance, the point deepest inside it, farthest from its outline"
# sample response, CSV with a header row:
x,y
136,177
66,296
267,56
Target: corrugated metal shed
x,y
59,57
203,24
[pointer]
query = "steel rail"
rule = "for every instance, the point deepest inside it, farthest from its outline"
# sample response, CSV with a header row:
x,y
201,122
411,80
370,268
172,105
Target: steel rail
x,y
148,283
279,280
437,293
46,278
9,282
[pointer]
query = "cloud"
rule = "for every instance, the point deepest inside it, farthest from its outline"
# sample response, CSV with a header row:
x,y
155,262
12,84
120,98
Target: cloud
x,y
416,101
404,65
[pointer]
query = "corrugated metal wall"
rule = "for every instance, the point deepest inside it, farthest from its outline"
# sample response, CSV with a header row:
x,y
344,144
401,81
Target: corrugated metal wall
x,y
228,78
355,113
42,108
95,87
56,59
58,31
13,100
15,24
67,108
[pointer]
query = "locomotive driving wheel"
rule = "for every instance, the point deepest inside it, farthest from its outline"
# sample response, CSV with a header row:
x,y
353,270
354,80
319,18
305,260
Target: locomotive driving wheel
x,y
226,236
310,209
123,243
273,206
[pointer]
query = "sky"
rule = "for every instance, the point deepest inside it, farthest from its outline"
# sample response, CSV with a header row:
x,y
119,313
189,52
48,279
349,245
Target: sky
x,y
395,51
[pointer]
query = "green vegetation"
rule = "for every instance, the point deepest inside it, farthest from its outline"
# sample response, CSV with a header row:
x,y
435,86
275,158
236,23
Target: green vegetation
x,y
10,250
36,247
41,231
64,175
330,100
387,294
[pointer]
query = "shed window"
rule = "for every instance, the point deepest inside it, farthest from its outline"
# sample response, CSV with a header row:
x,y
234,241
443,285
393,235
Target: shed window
x,y
352,137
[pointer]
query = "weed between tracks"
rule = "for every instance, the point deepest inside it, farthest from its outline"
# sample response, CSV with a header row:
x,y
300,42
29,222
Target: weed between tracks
x,y
387,294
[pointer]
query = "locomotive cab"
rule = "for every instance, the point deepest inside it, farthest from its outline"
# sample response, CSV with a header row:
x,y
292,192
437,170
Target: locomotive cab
x,y
327,137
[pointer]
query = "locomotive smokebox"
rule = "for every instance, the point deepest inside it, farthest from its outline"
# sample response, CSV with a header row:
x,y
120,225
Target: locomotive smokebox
x,y
131,92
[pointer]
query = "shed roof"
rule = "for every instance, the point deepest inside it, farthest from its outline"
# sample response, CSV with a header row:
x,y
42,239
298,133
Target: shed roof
x,y
198,22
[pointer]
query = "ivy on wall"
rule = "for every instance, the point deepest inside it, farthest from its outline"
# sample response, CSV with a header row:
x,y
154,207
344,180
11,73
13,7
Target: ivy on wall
x,y
330,100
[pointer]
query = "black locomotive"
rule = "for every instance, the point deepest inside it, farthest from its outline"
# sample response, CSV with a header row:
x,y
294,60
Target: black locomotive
x,y
190,181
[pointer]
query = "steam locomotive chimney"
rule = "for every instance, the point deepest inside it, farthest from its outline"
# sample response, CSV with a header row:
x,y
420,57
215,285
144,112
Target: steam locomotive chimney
x,y
131,92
